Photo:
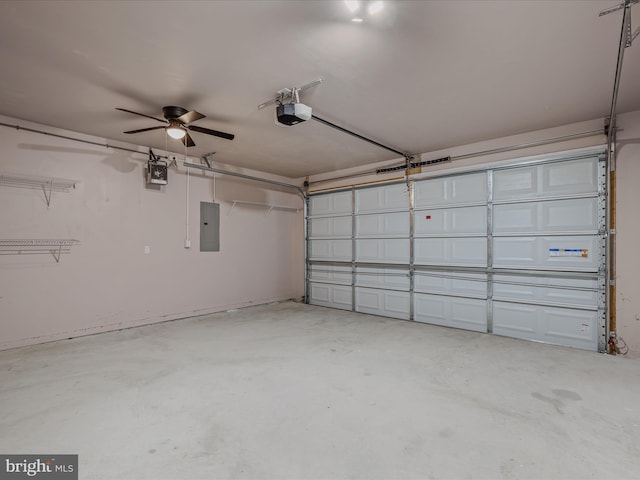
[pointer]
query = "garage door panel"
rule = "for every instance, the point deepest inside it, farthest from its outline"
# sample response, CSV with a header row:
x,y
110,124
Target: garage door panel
x,y
389,197
330,249
580,292
570,177
431,192
451,282
451,221
579,253
574,215
320,293
465,313
515,320
558,326
460,189
469,314
334,296
469,250
553,179
330,204
382,277
391,250
383,302
451,251
570,215
515,183
330,227
574,328
519,217
330,273
389,224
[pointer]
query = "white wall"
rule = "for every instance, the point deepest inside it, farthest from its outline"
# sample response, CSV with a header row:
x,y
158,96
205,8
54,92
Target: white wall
x,y
107,282
628,231
628,201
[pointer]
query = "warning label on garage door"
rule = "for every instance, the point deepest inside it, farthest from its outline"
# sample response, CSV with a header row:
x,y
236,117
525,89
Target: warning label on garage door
x,y
569,252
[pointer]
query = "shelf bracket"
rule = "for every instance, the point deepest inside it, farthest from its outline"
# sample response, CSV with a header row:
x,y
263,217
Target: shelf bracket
x,y
47,196
58,253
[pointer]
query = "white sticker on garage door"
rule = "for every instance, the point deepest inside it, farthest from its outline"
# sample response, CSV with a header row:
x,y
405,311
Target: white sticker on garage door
x,y
569,252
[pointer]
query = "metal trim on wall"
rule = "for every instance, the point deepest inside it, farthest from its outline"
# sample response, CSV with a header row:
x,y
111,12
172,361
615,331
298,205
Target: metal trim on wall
x,y
247,177
353,248
412,227
608,268
306,250
489,251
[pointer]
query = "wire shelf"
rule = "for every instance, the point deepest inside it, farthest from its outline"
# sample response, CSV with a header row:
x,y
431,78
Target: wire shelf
x,y
55,247
46,184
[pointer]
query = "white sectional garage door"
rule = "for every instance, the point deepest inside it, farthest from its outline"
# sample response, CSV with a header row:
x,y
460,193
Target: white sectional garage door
x,y
516,251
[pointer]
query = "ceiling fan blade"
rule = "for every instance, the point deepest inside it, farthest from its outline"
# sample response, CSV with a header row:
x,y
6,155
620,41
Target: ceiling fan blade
x,y
141,114
189,117
208,131
188,141
143,130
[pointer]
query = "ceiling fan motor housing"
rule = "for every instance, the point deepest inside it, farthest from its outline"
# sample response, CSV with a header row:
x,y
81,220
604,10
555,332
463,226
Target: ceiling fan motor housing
x,y
293,113
171,113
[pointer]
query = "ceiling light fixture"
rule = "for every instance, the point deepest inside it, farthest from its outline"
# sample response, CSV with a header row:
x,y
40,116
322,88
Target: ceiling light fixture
x,y
375,7
176,131
352,5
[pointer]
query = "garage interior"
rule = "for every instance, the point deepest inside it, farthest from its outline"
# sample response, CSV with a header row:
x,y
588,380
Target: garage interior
x,y
321,239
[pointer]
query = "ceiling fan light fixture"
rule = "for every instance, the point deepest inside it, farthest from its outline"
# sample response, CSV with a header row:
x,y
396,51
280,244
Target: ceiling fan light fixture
x,y
176,132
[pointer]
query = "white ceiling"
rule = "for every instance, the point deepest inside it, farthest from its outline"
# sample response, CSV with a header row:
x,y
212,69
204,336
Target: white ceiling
x,y
421,76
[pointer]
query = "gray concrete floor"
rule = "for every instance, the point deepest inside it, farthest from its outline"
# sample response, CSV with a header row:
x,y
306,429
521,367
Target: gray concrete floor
x,y
294,391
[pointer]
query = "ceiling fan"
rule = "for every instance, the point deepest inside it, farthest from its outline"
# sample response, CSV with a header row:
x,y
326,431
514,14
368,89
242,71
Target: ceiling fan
x,y
177,121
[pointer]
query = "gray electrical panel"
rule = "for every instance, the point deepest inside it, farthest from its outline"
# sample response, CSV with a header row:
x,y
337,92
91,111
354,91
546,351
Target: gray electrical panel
x,y
209,227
